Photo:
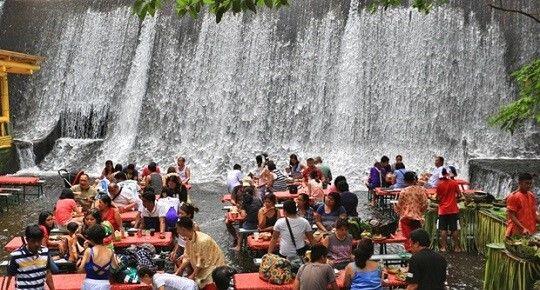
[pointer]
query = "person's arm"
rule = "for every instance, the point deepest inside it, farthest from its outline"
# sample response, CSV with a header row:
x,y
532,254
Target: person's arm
x,y
195,272
318,222
172,254
139,221
261,217
273,242
296,285
183,266
162,225
348,277
114,261
412,287
325,241
118,219
188,175
513,217
310,238
49,280
84,260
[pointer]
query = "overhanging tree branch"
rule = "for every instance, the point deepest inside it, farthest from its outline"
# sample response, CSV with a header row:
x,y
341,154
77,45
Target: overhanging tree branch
x,y
515,11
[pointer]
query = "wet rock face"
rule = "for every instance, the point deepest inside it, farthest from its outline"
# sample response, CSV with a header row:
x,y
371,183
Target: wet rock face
x,y
499,176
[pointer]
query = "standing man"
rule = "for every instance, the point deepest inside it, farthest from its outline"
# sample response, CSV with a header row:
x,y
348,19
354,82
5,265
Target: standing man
x,y
234,178
436,173
521,207
182,170
411,207
325,169
427,269
448,193
399,159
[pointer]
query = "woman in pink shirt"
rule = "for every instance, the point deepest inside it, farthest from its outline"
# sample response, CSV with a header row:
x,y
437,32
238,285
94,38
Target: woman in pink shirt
x,y
65,208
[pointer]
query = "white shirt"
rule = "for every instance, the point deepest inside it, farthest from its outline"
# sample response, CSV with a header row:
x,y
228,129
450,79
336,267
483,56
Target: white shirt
x,y
146,213
299,226
173,282
436,174
234,178
124,198
130,185
165,203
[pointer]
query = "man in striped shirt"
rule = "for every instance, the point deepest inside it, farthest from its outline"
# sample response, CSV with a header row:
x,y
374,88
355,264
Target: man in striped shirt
x,y
30,264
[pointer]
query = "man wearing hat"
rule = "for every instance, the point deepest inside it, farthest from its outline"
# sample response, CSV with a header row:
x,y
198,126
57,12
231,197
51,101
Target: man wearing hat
x,y
448,193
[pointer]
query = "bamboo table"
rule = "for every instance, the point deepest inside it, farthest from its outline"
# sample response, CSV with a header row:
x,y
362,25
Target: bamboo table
x,y
491,229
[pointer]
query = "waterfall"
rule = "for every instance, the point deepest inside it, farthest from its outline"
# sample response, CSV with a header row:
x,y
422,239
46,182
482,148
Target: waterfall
x,y
25,152
317,78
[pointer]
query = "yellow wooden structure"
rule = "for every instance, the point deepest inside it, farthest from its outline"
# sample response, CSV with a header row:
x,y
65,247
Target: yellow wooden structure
x,y
15,63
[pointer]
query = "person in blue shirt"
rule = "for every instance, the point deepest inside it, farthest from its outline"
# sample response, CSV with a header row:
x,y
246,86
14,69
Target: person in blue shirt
x,y
399,172
349,200
363,273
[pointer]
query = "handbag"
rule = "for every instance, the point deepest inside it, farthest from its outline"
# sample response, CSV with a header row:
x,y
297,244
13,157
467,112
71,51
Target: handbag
x,y
276,270
302,251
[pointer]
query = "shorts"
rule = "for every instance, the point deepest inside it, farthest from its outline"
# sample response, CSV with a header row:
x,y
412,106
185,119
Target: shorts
x,y
448,222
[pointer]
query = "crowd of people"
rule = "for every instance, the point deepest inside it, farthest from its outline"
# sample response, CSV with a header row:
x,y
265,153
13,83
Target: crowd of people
x,y
315,221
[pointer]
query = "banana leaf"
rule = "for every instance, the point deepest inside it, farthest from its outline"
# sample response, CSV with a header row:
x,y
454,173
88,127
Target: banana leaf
x,y
490,229
504,271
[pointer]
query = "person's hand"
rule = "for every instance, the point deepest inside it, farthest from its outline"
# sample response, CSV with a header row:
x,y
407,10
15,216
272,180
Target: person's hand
x,y
172,256
526,232
133,223
191,277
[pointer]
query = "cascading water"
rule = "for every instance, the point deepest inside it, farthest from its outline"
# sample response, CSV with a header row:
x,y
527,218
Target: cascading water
x,y
315,78
25,152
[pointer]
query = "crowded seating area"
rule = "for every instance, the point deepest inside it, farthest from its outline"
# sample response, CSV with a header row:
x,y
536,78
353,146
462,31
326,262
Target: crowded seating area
x,y
302,227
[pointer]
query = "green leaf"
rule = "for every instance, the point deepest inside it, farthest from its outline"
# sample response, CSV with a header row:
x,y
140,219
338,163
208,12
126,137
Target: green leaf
x,y
209,2
269,3
260,3
236,6
250,5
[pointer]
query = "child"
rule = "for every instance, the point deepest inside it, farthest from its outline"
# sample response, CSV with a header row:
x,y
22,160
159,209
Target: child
x,y
165,281
30,264
97,261
72,228
187,210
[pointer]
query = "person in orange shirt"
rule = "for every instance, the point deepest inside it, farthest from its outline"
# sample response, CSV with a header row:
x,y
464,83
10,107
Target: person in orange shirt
x,y
521,208
448,193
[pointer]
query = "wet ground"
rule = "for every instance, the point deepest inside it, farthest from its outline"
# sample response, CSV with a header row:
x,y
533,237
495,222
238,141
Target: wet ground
x,y
465,270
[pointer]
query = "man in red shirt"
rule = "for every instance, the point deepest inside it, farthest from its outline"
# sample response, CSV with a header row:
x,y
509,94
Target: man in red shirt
x,y
521,208
448,193
311,167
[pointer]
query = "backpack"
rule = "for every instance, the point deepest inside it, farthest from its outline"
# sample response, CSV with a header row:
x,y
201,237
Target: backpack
x,y
171,217
276,270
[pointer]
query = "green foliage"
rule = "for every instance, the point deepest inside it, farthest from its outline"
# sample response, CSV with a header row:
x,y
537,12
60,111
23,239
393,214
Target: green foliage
x,y
423,6
527,106
143,8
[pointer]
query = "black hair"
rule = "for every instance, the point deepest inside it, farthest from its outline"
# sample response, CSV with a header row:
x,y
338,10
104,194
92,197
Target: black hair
x,y
293,189
185,222
259,160
121,176
363,252
399,156
342,186
339,178
43,217
149,196
317,252
310,160
440,158
271,165
271,197
237,167
96,234
96,215
67,193
131,166
421,237
222,277
409,177
108,162
171,169
106,199
289,207
443,173
453,170
170,192
400,165
385,159
143,271
342,223
152,166
337,199
33,233
293,156
313,175
189,209
118,167
525,177
72,227
306,198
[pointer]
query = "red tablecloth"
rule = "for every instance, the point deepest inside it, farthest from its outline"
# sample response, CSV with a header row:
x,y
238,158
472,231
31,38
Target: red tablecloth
x,y
248,281
154,240
16,242
129,216
74,282
397,238
18,180
258,245
386,192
